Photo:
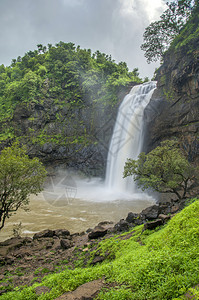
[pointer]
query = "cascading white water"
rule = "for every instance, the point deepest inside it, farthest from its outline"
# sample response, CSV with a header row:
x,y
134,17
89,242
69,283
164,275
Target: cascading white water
x,y
127,138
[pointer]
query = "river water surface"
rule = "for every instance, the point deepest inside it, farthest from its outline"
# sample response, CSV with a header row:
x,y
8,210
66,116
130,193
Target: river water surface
x,y
76,208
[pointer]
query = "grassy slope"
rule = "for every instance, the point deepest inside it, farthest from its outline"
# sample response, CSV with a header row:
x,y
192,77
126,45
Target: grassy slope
x,y
164,264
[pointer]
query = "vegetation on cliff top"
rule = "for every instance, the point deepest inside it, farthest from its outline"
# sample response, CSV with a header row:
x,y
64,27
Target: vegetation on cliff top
x,y
188,35
159,35
158,264
60,78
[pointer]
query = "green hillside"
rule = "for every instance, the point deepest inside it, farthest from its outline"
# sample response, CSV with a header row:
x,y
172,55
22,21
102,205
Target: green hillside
x,y
56,79
159,264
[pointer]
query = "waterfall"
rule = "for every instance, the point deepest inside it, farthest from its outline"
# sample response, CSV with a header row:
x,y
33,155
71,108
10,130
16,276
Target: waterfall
x,y
127,138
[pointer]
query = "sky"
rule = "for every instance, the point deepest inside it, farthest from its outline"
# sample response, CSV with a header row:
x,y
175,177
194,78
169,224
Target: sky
x,y
114,27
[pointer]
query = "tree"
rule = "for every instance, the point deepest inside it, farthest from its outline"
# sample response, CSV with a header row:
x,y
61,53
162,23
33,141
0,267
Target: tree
x,y
159,34
20,176
165,169
40,48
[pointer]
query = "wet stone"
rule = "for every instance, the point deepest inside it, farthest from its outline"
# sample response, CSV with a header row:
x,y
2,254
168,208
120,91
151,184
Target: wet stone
x,y
151,212
43,234
97,232
65,244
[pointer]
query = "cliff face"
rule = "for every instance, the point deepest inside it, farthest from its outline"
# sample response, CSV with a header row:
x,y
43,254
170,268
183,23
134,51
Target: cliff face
x,y
74,140
174,107
71,136
78,136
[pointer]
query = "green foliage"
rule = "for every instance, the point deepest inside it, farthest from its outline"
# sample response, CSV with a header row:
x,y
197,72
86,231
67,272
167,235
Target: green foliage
x,y
61,78
165,266
7,134
30,86
20,176
164,169
159,34
117,293
188,35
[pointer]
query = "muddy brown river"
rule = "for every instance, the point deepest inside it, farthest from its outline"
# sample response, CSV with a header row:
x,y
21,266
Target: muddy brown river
x,y
75,208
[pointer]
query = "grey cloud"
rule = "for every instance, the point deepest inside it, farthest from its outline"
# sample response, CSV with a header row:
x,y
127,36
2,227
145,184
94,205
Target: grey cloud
x,y
95,24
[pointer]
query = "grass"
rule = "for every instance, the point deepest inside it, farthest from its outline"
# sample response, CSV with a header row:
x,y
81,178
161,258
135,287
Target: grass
x,y
160,264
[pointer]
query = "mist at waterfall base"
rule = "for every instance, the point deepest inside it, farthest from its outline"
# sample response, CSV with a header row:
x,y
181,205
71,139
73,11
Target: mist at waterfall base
x,y
126,142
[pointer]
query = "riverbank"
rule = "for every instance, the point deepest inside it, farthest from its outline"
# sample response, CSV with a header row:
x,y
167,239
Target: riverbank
x,y
26,260
76,214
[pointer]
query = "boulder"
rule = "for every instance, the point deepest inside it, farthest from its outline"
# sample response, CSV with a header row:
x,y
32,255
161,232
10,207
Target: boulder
x,y
138,221
65,244
165,208
150,213
61,232
43,234
98,231
122,225
17,242
87,291
12,244
132,217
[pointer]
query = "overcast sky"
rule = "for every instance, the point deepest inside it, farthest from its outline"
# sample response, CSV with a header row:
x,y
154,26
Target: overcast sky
x,y
112,26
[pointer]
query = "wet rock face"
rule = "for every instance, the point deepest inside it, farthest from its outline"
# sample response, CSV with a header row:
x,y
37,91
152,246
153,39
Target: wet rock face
x,y
74,142
174,108
56,132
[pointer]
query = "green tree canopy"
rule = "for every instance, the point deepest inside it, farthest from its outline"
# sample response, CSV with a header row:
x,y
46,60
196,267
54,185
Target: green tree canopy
x,y
62,77
20,176
165,169
159,34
